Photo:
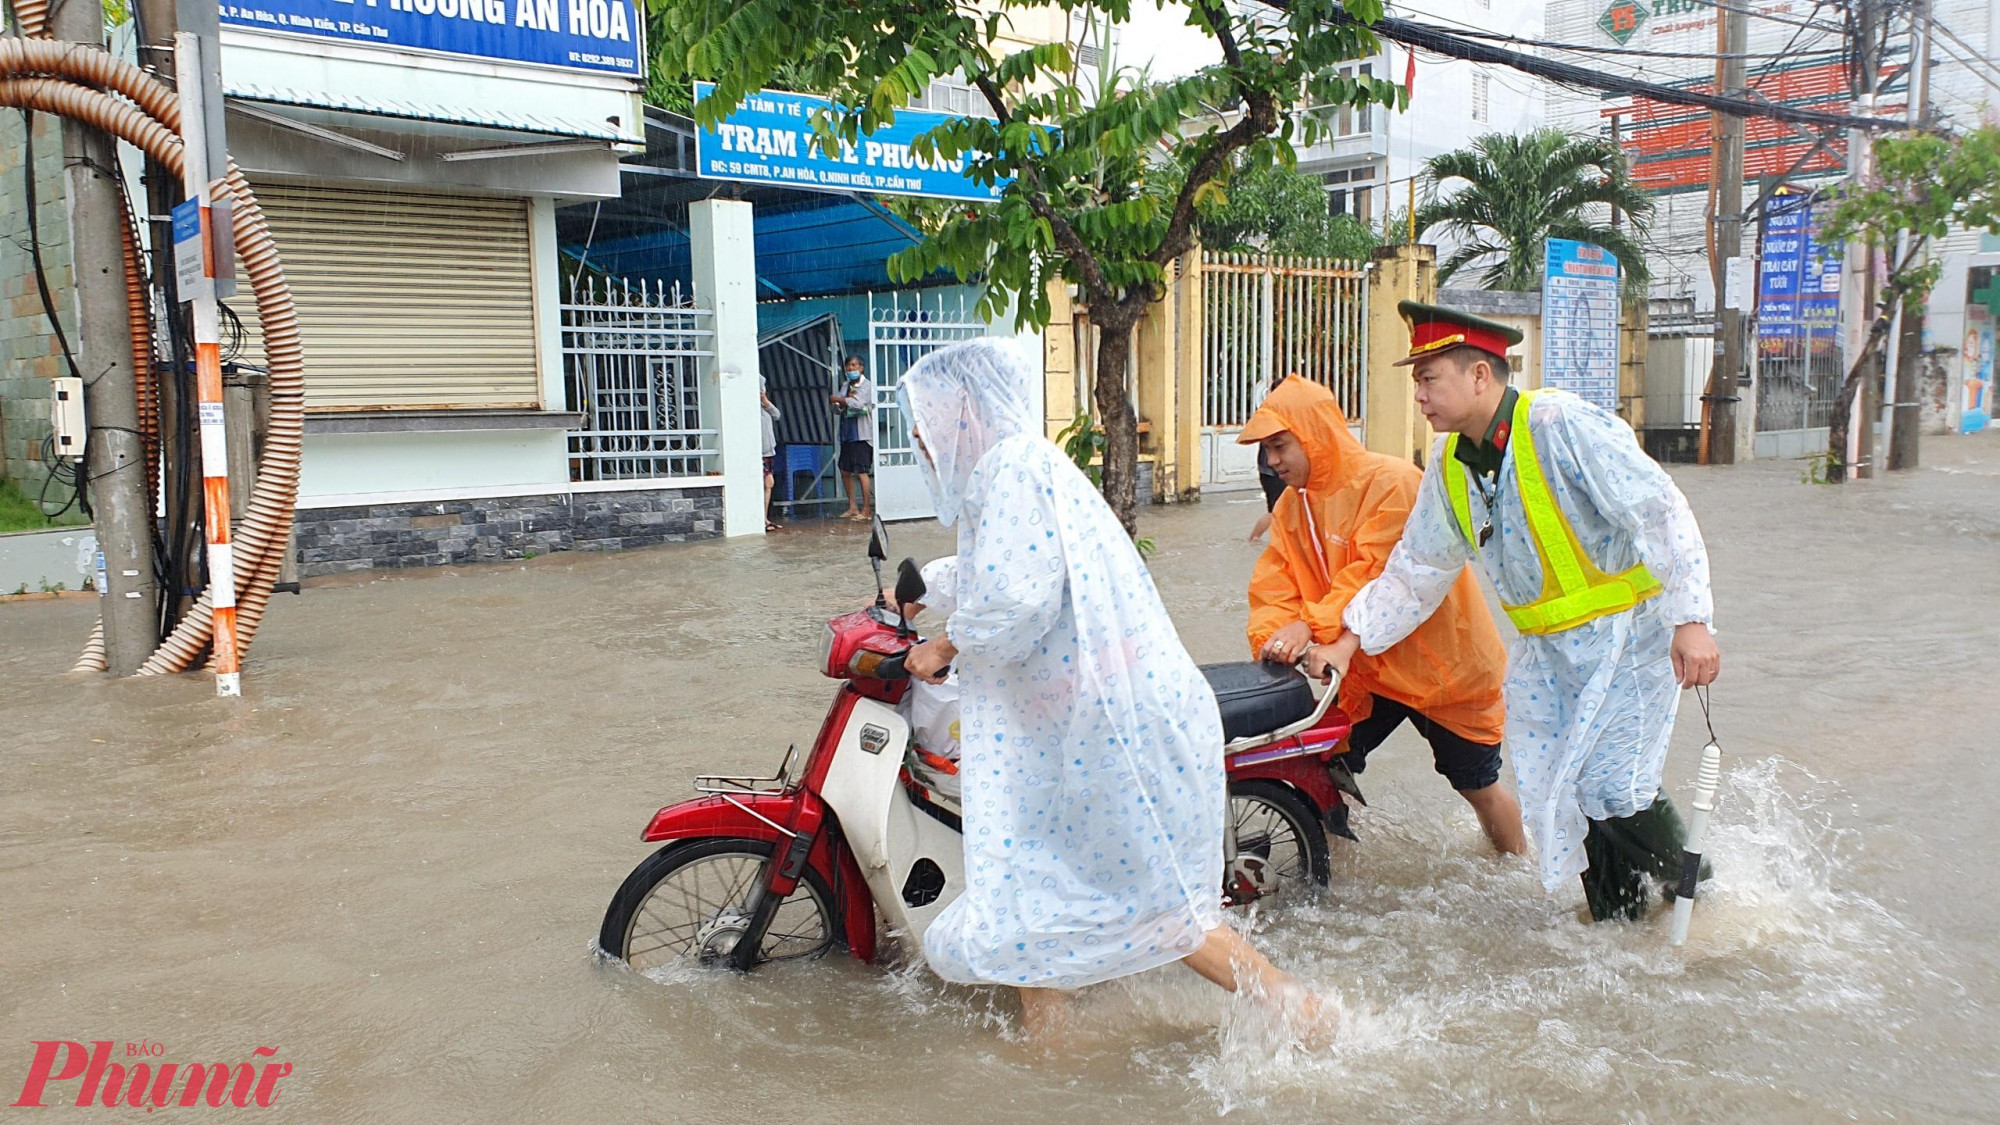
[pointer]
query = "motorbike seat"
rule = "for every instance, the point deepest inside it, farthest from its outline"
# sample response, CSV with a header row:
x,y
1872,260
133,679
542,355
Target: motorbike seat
x,y
1256,697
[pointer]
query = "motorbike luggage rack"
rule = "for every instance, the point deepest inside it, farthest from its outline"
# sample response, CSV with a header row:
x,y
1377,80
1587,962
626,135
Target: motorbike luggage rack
x,y
729,783
1252,741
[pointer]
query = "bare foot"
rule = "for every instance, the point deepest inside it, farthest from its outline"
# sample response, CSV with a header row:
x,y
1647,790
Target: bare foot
x,y
1310,1017
1048,1016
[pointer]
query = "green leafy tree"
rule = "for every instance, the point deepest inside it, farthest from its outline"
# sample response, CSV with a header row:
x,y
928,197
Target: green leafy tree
x,y
1517,192
1923,186
1099,193
1283,211
670,84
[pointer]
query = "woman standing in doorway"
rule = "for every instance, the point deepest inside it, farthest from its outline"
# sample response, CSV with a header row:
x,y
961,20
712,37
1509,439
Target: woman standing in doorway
x,y
856,403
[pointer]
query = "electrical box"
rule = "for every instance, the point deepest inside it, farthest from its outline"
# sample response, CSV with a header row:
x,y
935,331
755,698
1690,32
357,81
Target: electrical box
x,y
66,416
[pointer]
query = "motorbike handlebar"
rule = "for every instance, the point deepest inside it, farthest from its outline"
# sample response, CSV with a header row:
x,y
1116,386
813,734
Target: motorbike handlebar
x,y
887,668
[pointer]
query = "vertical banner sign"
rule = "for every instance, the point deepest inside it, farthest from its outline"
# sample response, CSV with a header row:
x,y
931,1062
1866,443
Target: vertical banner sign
x,y
1798,290
770,140
1580,321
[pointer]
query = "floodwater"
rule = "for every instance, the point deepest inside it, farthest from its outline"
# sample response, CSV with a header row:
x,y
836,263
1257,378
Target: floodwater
x,y
390,859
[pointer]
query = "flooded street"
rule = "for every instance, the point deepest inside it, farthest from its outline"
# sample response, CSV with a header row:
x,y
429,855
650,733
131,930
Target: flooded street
x,y
390,859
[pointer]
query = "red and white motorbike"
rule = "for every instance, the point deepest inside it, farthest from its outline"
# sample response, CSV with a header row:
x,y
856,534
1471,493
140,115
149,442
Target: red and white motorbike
x,y
781,868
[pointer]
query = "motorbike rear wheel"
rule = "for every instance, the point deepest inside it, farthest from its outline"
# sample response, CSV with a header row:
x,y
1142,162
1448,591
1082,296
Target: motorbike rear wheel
x,y
692,900
1274,824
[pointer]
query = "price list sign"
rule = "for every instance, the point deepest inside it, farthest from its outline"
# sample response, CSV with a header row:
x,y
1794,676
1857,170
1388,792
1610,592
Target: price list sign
x,y
1580,321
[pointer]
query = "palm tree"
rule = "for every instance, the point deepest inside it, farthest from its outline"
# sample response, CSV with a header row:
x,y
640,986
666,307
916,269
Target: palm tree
x,y
1521,191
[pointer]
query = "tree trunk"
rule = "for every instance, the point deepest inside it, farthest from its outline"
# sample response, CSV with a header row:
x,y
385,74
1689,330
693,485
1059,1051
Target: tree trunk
x,y
1114,412
1842,420
1908,407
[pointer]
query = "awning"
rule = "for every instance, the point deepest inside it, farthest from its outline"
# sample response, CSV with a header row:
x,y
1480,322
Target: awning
x,y
808,244
531,123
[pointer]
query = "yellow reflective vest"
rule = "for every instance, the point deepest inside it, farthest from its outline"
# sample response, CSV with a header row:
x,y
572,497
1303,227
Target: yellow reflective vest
x,y
1573,589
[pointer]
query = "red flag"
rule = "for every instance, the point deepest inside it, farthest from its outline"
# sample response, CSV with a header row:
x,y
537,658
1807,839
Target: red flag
x,y
1410,75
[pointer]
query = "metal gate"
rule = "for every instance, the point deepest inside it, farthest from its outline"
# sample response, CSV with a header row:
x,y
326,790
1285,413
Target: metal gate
x,y
1265,315
631,355
903,327
1799,372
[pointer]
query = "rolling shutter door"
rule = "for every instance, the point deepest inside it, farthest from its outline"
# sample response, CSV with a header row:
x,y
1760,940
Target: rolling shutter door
x,y
406,300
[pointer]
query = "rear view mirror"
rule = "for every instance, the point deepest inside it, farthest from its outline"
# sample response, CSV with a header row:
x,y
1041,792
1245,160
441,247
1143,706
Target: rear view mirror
x,y
878,540
910,586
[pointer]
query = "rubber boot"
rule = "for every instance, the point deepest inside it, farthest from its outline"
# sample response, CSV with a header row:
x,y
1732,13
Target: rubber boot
x,y
1627,855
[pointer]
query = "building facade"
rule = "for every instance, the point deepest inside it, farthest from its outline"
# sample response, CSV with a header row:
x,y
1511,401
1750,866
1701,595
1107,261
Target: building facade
x,y
1374,154
410,164
1797,56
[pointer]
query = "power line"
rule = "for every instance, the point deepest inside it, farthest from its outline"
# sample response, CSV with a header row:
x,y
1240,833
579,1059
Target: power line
x,y
1939,94
1944,29
1973,66
1819,141
1807,22
1529,92
1571,74
1794,40
1587,49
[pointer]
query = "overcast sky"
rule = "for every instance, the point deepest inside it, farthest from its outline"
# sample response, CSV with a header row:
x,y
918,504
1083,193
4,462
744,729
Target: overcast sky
x,y
1161,37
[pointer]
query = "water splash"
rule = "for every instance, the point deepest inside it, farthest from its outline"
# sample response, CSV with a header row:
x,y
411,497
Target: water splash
x,y
1462,986
1453,969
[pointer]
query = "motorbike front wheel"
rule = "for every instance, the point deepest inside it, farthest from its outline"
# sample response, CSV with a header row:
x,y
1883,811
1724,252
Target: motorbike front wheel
x,y
1275,827
692,900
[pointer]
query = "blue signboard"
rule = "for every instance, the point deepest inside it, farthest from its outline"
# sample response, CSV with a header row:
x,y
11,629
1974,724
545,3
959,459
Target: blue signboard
x,y
187,221
1580,321
1798,288
595,35
770,140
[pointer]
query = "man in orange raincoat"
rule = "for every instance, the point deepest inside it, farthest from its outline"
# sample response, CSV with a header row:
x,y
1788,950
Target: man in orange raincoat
x,y
1331,533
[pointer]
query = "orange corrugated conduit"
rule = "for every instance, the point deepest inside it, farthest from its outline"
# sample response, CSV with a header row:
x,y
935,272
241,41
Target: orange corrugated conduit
x,y
140,319
90,85
33,16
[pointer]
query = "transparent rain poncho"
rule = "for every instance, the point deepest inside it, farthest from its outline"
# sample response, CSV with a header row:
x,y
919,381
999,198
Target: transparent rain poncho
x,y
1590,709
1091,761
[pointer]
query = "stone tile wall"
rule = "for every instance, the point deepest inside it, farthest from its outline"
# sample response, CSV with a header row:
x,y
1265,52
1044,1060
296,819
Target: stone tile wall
x,y
441,533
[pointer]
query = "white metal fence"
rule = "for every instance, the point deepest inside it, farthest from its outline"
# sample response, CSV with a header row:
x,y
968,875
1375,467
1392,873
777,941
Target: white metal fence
x,y
631,357
1267,314
903,327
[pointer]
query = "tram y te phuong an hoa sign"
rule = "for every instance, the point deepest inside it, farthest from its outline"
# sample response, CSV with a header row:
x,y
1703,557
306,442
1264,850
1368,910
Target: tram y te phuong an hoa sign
x,y
769,139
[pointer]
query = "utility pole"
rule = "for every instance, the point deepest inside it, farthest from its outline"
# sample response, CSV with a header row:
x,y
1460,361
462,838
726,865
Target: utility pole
x,y
199,89
158,22
1725,375
1906,413
115,455
1752,403
1857,284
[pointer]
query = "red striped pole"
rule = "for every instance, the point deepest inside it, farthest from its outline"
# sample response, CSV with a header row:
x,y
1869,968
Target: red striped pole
x,y
208,371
